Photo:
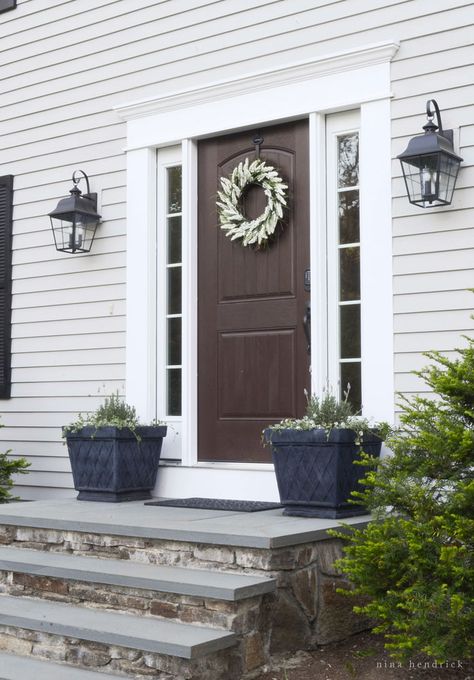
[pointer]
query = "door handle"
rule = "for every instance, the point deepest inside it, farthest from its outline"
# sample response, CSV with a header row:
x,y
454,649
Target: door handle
x,y
307,325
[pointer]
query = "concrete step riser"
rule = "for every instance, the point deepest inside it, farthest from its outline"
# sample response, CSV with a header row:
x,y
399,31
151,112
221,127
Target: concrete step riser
x,y
84,654
242,617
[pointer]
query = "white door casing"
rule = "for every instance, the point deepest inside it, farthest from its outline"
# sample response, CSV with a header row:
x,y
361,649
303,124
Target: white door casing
x,y
354,80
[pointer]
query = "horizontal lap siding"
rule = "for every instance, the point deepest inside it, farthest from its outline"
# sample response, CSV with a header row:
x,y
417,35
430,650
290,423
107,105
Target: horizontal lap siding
x,y
433,249
66,64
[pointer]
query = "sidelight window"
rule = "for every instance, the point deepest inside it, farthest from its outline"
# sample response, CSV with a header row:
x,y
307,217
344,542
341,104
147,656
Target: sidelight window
x,y
348,256
174,271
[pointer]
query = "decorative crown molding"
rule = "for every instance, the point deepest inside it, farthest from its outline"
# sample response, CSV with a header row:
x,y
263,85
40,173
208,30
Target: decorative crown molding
x,y
358,58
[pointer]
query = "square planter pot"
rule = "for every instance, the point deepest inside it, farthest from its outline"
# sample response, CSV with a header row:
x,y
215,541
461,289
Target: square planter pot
x,y
316,473
110,464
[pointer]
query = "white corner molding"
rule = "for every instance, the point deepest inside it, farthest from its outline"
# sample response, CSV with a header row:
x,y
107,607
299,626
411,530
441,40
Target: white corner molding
x,y
301,71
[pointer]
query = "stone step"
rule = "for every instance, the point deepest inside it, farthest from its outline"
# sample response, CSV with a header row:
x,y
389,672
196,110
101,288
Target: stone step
x,y
14,667
217,585
122,630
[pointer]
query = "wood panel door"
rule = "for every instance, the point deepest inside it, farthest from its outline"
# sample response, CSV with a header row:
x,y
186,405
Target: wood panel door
x,y
253,363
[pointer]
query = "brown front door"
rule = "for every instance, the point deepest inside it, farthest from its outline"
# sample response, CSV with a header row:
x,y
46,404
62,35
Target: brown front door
x,y
253,362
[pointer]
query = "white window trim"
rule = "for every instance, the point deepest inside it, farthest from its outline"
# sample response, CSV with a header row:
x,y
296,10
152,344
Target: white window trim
x,y
166,158
353,79
336,125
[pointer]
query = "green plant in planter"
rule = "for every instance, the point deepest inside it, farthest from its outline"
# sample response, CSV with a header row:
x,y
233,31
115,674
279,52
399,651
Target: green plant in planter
x,y
328,413
415,565
9,467
314,457
114,412
114,457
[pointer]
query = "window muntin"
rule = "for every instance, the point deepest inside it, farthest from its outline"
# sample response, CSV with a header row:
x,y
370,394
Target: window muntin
x,y
348,256
174,277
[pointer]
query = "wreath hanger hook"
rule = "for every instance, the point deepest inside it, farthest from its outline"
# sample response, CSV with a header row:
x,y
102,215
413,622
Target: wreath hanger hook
x,y
257,140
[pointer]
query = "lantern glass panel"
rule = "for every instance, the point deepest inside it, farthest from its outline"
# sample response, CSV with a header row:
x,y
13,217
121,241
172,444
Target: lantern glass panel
x,y
448,172
421,175
76,235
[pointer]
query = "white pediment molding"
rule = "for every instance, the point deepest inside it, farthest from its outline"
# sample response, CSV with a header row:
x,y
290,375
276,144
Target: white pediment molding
x,y
348,60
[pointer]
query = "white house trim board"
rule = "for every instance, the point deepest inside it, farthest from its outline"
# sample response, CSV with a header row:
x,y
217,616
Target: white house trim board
x,y
250,83
376,262
361,75
358,79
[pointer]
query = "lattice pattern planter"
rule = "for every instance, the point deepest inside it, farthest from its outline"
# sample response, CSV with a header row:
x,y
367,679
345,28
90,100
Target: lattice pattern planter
x,y
315,470
112,464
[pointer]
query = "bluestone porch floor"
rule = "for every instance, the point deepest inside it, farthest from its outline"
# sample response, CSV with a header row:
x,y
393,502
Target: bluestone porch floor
x,y
267,529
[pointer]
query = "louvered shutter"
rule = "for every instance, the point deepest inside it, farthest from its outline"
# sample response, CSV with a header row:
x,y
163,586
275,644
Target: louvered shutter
x,y
5,5
6,195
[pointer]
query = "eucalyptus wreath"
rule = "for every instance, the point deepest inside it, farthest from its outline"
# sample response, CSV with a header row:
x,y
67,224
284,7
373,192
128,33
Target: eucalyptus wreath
x,y
236,225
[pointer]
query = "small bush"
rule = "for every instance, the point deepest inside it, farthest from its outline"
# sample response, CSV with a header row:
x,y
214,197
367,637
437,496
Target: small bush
x,y
9,467
415,564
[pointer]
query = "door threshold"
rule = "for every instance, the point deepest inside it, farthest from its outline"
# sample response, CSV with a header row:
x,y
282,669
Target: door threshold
x,y
218,465
243,481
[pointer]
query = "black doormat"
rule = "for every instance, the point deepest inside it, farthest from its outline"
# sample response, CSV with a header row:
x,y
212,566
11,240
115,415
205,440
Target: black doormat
x,y
217,504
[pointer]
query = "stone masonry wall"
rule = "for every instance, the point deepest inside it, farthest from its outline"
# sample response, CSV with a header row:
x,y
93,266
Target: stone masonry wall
x,y
305,611
223,665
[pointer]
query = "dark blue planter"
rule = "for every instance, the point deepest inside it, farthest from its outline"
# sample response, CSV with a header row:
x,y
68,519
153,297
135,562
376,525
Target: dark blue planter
x,y
315,473
109,464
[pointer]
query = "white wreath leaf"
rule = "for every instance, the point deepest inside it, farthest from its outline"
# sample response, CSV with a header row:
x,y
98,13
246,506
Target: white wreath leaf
x,y
232,221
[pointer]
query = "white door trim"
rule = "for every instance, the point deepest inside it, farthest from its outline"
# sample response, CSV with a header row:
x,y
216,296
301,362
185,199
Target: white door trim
x,y
355,79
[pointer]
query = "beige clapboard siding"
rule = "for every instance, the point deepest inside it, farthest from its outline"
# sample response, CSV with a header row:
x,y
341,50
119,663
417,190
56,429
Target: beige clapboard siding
x,y
61,77
343,22
77,388
62,480
44,464
82,310
426,341
438,301
428,282
48,302
74,284
433,250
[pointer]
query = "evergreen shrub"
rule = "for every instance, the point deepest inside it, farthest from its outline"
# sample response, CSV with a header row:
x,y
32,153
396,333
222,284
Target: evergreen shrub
x,y
414,564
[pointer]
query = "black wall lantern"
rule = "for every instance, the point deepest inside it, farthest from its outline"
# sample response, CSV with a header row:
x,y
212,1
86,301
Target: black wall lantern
x,y
75,219
430,166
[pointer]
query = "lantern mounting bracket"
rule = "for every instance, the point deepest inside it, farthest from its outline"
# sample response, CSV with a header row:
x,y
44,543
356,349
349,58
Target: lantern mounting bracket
x,y
91,196
430,126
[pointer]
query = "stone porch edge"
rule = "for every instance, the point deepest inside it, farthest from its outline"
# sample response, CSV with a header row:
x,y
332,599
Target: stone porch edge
x,y
269,530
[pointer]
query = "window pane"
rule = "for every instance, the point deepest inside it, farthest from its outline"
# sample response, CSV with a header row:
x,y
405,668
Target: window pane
x,y
351,374
174,341
349,217
349,273
348,160
350,331
174,189
174,290
174,240
174,391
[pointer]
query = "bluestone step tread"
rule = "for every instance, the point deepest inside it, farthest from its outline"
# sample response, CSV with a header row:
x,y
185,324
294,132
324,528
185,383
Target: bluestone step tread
x,y
136,632
25,668
179,580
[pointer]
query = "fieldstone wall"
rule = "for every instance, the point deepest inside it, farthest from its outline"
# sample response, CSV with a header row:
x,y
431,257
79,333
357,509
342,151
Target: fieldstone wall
x,y
223,665
305,611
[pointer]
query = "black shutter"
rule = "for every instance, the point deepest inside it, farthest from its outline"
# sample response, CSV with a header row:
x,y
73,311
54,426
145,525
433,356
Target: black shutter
x,y
6,196
5,5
